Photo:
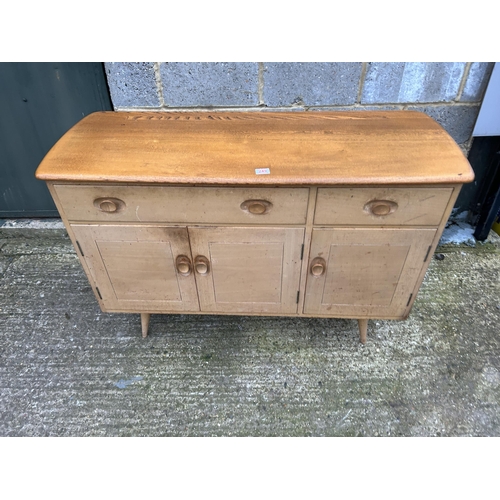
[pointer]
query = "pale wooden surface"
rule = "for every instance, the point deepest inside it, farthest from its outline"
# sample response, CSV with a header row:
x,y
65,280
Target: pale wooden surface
x,y
363,328
369,272
340,312
251,269
307,245
327,169
439,232
134,266
386,147
415,206
145,317
175,204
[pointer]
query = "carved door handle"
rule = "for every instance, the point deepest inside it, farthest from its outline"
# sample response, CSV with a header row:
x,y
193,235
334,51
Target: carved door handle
x,y
381,207
318,267
201,265
256,207
109,205
183,265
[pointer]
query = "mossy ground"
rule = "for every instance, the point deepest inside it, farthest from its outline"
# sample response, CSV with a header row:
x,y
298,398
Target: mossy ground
x,y
67,369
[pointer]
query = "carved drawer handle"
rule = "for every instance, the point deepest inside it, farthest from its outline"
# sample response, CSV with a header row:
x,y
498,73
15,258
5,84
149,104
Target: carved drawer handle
x,y
256,207
318,267
201,265
183,265
109,205
380,208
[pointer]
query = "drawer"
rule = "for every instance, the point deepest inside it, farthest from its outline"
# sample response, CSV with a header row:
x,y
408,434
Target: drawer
x,y
388,206
176,204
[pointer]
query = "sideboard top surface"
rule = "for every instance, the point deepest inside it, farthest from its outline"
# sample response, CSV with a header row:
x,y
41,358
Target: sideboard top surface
x,y
359,147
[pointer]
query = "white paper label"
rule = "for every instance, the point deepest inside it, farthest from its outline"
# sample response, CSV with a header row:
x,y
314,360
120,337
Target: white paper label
x,y
261,171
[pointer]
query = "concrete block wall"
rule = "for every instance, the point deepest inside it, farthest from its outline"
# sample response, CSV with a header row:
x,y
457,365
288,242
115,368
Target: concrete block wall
x,y
451,93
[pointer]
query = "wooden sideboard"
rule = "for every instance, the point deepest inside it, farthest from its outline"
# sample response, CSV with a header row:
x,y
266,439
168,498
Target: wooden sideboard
x,y
324,214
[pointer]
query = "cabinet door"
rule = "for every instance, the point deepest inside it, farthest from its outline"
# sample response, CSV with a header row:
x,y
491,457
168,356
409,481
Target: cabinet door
x,y
249,270
136,268
364,272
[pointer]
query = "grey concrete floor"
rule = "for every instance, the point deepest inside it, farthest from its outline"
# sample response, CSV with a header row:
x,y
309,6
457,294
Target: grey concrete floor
x,y
67,369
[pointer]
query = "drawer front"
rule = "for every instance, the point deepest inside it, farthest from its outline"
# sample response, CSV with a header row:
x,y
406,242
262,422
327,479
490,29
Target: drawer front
x,y
381,206
172,204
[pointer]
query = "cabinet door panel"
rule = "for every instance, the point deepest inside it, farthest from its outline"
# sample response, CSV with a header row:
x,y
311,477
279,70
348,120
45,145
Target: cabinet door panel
x,y
369,272
232,263
363,274
134,266
250,269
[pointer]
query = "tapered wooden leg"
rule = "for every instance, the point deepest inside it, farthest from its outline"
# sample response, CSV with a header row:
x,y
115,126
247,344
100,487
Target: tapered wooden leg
x,y
363,327
145,323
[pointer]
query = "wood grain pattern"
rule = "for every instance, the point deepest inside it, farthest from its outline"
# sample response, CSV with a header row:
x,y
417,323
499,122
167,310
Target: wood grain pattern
x,y
387,147
384,181
348,206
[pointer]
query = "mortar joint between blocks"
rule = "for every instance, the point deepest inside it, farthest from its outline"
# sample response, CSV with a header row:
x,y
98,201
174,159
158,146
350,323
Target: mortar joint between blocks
x,y
333,107
260,84
464,81
159,83
362,77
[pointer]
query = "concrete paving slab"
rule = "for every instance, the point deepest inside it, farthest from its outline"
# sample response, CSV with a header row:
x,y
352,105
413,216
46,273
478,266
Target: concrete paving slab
x,y
67,369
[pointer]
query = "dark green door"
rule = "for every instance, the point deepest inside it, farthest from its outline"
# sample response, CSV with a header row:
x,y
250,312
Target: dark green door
x,y
39,102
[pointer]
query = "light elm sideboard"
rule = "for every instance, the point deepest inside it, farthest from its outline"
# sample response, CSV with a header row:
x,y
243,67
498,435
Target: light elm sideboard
x,y
324,214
